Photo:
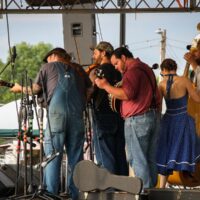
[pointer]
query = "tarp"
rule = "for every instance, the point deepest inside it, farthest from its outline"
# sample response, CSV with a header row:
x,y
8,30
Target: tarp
x,y
9,125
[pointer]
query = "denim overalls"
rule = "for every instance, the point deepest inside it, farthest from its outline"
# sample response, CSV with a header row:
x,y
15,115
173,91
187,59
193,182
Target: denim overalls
x,y
67,127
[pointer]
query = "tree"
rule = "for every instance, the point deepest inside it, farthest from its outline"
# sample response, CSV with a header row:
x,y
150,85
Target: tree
x,y
29,59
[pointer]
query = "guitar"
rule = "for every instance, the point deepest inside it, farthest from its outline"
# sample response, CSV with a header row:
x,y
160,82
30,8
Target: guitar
x,y
6,84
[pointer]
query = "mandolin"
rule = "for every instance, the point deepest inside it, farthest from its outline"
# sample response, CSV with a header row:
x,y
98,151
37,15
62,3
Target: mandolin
x,y
6,84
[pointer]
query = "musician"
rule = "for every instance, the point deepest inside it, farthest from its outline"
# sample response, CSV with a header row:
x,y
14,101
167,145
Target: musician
x,y
193,58
177,147
108,126
139,104
66,102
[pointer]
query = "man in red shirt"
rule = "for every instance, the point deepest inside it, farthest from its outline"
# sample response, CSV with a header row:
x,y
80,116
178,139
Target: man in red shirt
x,y
140,101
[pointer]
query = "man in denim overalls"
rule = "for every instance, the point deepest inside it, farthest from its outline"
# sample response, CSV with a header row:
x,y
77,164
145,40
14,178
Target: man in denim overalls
x,y
66,102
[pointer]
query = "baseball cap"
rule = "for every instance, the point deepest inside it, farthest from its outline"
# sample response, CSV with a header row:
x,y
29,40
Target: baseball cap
x,y
58,51
104,46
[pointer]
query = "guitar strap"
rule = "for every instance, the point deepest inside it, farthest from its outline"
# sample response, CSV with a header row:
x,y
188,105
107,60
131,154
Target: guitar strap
x,y
153,86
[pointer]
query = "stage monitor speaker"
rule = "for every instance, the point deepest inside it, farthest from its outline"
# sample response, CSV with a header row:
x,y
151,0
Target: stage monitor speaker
x,y
8,178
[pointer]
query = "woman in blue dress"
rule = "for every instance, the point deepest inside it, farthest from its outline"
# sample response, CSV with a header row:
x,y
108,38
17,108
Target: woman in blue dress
x,y
177,146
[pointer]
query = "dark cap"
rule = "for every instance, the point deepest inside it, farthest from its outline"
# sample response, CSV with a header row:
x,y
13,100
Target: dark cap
x,y
104,46
58,51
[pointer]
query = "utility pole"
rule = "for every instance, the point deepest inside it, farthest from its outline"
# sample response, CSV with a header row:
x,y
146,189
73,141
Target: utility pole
x,y
162,43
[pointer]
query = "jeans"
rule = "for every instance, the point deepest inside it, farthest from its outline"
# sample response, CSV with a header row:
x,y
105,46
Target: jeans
x,y
141,135
109,143
67,129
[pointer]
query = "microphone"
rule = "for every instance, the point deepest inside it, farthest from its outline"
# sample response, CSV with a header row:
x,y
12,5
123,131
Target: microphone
x,y
47,160
14,54
155,66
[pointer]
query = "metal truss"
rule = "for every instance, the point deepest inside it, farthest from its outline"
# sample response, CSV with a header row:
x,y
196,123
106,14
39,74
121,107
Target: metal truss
x,y
97,6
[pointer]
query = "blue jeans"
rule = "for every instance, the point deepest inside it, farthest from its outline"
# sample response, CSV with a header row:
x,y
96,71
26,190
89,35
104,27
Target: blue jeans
x,y
67,128
141,135
109,143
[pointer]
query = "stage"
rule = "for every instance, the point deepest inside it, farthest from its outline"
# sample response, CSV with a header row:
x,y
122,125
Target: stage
x,y
92,189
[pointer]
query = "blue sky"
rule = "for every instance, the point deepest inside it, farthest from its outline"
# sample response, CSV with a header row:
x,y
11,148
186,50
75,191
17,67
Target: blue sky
x,y
140,32
145,43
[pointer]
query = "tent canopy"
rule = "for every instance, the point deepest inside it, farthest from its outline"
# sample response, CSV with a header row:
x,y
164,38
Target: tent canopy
x,y
9,121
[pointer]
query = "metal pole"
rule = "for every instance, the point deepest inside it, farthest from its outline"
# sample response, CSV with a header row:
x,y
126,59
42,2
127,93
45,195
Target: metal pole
x,y
122,36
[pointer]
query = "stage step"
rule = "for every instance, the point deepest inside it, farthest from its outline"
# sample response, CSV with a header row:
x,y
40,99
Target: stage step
x,y
106,195
173,194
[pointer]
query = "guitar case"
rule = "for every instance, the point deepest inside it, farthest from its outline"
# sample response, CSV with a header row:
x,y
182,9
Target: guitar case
x,y
89,177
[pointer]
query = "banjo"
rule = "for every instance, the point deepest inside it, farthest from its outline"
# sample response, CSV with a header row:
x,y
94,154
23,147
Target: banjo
x,y
113,102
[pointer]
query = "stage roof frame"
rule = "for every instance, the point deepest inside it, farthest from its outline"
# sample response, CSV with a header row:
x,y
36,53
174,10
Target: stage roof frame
x,y
98,6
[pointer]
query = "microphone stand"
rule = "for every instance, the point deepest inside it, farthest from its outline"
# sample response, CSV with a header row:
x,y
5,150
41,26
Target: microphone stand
x,y
88,131
19,136
26,113
40,115
25,141
30,134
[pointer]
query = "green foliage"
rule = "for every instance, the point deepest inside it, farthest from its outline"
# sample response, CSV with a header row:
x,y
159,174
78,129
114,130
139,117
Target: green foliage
x,y
2,141
29,59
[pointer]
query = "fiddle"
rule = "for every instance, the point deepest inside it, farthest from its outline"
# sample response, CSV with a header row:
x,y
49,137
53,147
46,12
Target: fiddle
x,y
90,68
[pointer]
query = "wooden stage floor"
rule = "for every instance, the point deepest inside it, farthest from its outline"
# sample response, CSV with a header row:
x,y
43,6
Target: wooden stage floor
x,y
152,194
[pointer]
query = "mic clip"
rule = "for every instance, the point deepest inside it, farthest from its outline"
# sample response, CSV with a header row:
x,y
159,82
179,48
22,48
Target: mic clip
x,y
47,160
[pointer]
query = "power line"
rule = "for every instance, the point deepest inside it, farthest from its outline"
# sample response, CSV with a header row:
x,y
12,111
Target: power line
x,y
178,47
144,41
151,46
172,51
180,41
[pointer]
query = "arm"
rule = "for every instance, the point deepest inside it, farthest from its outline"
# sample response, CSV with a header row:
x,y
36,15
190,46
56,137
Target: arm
x,y
160,89
116,92
17,88
191,60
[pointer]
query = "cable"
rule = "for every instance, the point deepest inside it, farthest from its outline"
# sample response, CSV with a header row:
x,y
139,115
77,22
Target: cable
x,y
12,71
172,51
8,32
145,47
78,54
139,42
98,22
178,47
178,40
